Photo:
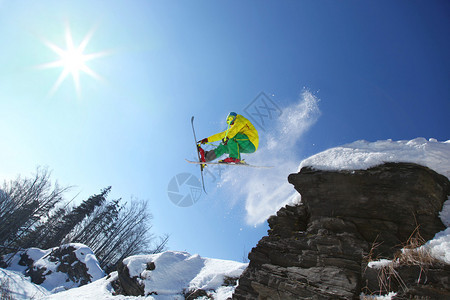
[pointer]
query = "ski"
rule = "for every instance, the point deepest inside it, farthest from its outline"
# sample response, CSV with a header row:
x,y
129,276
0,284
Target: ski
x,y
227,164
198,154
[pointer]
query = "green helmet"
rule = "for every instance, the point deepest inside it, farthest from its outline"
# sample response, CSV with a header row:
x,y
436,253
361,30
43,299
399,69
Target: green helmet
x,y
231,118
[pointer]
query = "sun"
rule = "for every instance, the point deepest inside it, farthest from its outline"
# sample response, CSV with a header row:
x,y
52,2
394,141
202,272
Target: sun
x,y
72,60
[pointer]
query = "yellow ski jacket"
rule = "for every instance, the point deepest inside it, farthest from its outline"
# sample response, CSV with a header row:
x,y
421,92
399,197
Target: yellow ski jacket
x,y
240,125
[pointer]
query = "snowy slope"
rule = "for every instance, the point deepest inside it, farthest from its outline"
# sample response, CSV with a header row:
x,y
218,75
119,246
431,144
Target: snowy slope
x,y
20,287
97,290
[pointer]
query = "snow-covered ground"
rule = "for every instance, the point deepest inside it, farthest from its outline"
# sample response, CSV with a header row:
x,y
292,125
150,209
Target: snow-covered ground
x,y
178,271
175,273
19,286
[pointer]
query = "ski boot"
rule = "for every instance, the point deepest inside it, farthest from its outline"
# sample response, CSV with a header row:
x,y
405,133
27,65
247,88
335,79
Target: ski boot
x,y
202,156
231,160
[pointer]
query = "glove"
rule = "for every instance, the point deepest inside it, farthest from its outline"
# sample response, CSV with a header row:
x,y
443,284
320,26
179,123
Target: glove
x,y
225,140
204,141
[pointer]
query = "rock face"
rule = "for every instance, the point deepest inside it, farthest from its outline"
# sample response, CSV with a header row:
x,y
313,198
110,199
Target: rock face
x,y
320,249
127,284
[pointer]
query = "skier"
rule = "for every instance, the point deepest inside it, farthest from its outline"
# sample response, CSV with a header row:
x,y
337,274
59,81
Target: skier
x,y
240,137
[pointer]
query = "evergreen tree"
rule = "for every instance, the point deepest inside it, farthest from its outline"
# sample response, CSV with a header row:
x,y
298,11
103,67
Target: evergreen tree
x,y
38,237
98,227
73,218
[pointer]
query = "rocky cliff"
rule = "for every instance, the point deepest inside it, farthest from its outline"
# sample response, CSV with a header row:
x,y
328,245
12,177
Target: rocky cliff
x,y
320,249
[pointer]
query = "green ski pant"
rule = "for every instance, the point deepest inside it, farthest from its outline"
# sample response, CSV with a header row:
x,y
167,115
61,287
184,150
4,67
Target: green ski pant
x,y
235,146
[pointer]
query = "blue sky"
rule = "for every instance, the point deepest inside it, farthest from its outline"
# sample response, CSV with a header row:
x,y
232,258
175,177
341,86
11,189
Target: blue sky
x,y
375,70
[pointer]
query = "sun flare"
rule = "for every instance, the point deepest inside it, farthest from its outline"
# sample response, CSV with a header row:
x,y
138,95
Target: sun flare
x,y
72,60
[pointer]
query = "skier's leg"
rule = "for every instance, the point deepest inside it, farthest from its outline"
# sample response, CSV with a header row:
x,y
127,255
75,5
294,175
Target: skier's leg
x,y
232,148
235,146
245,146
210,155
221,149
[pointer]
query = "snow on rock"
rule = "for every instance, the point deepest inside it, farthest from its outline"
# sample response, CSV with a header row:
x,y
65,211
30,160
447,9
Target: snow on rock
x,y
59,268
439,246
361,155
389,296
21,261
445,213
68,266
86,256
379,264
172,273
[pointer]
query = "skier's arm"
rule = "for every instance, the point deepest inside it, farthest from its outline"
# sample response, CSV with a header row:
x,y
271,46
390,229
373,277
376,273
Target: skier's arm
x,y
234,129
217,137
